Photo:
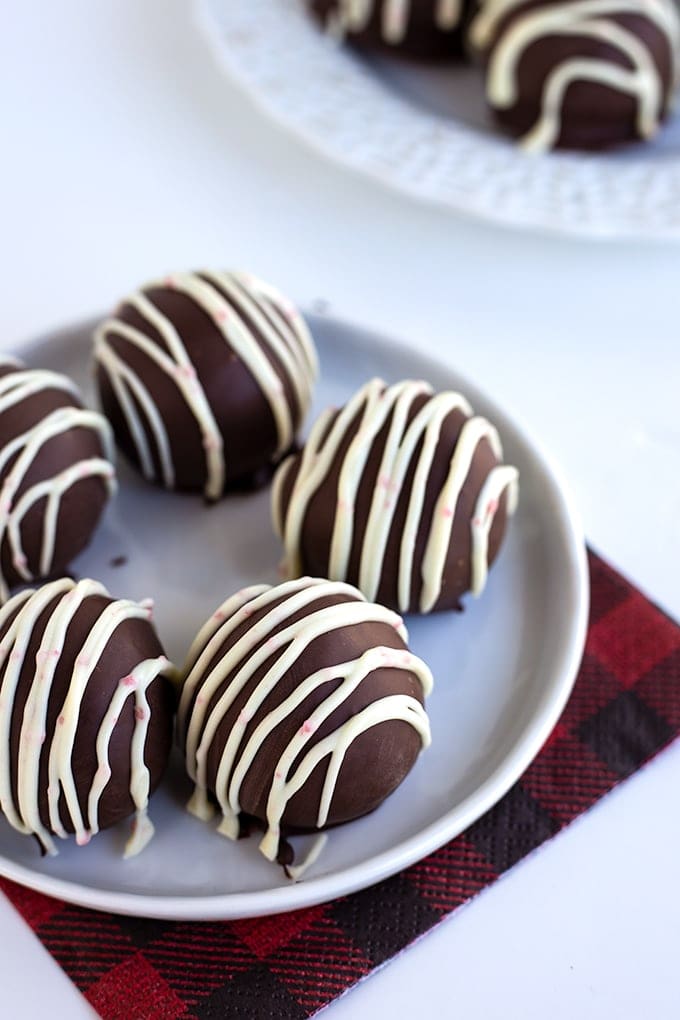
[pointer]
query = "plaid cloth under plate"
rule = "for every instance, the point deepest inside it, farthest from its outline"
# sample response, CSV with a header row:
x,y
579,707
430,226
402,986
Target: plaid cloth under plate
x,y
625,707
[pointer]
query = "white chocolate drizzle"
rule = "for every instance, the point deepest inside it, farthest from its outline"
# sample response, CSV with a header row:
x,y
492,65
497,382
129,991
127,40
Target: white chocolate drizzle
x,y
22,452
237,304
373,406
274,637
60,745
350,17
586,19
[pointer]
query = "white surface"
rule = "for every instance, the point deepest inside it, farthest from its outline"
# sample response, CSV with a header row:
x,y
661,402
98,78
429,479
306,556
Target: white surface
x,y
516,652
124,153
426,131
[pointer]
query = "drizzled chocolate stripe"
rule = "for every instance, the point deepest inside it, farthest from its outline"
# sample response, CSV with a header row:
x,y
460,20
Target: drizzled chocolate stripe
x,y
411,440
292,616
19,620
639,77
254,321
23,450
352,16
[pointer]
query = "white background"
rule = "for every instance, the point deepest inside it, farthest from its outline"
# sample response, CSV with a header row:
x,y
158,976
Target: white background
x,y
124,154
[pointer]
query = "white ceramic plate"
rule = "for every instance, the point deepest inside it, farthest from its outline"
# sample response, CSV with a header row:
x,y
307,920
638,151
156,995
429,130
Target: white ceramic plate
x,y
503,669
426,131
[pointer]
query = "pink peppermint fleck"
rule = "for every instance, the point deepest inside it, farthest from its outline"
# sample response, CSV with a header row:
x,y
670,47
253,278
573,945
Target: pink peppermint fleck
x,y
140,713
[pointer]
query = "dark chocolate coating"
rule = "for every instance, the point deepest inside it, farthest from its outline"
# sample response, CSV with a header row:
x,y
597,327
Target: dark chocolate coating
x,y
132,642
424,40
375,764
81,506
317,527
594,115
240,409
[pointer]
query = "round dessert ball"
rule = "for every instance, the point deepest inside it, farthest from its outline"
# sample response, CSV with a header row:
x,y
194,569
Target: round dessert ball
x,y
301,707
56,473
206,378
403,492
579,74
422,29
86,713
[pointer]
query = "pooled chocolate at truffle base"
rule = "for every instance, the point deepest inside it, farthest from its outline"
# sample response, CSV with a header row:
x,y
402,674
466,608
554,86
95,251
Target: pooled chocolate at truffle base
x,y
206,378
56,474
86,713
301,707
429,30
578,74
402,493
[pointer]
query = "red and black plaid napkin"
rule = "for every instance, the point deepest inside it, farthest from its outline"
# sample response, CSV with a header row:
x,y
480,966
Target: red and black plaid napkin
x,y
625,707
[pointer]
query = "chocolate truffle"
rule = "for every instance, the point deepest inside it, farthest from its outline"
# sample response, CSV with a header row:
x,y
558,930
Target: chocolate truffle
x,y
56,474
402,493
206,378
578,74
85,713
422,29
302,707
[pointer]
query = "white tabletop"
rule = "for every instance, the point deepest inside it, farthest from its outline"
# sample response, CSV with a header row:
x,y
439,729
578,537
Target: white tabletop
x,y
126,154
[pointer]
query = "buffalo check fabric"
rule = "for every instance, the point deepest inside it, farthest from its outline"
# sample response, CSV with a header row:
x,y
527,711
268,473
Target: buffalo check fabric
x,y
624,708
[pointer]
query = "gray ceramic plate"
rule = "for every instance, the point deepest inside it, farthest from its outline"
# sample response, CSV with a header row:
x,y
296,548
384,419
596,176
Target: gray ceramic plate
x,y
503,668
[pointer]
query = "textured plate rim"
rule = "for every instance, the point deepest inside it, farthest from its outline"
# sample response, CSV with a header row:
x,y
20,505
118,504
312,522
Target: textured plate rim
x,y
540,218
233,906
